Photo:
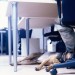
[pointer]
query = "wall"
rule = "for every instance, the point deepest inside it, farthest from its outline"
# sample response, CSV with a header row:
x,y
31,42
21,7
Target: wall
x,y
37,33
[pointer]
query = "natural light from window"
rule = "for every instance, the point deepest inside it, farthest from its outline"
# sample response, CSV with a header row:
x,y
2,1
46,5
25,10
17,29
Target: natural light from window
x,y
3,17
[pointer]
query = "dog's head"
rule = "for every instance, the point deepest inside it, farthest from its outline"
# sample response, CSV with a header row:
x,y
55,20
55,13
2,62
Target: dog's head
x,y
59,57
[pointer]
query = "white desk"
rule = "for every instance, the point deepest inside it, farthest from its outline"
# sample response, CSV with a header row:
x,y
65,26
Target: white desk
x,y
37,22
23,8
33,9
39,1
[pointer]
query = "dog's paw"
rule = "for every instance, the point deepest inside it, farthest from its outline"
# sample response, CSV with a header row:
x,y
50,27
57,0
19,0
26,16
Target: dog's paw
x,y
37,69
12,64
47,69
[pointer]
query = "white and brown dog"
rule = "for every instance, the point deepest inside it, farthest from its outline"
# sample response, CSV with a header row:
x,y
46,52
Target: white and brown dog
x,y
54,58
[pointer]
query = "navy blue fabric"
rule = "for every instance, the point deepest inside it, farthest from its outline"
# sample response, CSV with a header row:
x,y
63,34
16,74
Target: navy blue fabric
x,y
60,47
22,33
68,9
59,7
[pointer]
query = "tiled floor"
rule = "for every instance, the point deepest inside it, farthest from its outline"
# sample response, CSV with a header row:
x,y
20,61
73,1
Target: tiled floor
x,y
6,69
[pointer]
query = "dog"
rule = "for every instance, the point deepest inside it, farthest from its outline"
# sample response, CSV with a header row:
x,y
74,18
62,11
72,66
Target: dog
x,y
30,59
54,58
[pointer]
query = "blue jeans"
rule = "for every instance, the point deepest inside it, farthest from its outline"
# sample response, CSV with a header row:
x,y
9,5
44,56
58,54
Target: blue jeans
x,y
68,36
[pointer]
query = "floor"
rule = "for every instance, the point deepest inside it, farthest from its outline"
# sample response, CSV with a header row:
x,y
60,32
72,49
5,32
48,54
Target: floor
x,y
6,69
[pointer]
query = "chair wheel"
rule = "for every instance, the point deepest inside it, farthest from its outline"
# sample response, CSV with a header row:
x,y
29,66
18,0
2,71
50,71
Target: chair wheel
x,y
53,72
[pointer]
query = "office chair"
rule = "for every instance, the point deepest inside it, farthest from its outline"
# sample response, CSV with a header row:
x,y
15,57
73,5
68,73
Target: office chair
x,y
68,20
54,36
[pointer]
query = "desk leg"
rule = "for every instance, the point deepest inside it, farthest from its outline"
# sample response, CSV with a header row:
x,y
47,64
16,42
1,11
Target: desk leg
x,y
14,24
1,43
43,39
27,35
44,49
9,38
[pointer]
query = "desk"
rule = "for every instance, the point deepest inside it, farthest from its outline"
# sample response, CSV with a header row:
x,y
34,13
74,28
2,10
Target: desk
x,y
37,22
39,1
18,8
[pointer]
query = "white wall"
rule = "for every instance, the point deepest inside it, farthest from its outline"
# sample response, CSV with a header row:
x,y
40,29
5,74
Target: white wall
x,y
34,46
37,33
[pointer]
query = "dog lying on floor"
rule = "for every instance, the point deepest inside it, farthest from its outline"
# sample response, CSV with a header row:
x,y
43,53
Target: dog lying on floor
x,y
54,58
30,60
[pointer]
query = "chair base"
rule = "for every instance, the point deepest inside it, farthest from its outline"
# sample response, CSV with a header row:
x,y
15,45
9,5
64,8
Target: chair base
x,y
70,63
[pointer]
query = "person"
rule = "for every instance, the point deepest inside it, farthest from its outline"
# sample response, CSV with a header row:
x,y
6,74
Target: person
x,y
65,30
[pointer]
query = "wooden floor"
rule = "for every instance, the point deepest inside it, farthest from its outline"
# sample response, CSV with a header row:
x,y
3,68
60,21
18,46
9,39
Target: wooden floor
x,y
6,69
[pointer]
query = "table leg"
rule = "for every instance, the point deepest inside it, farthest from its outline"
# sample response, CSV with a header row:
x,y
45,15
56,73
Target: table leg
x,y
9,38
27,35
14,24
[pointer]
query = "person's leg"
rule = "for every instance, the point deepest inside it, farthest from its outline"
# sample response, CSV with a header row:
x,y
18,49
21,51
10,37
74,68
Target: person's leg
x,y
68,36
